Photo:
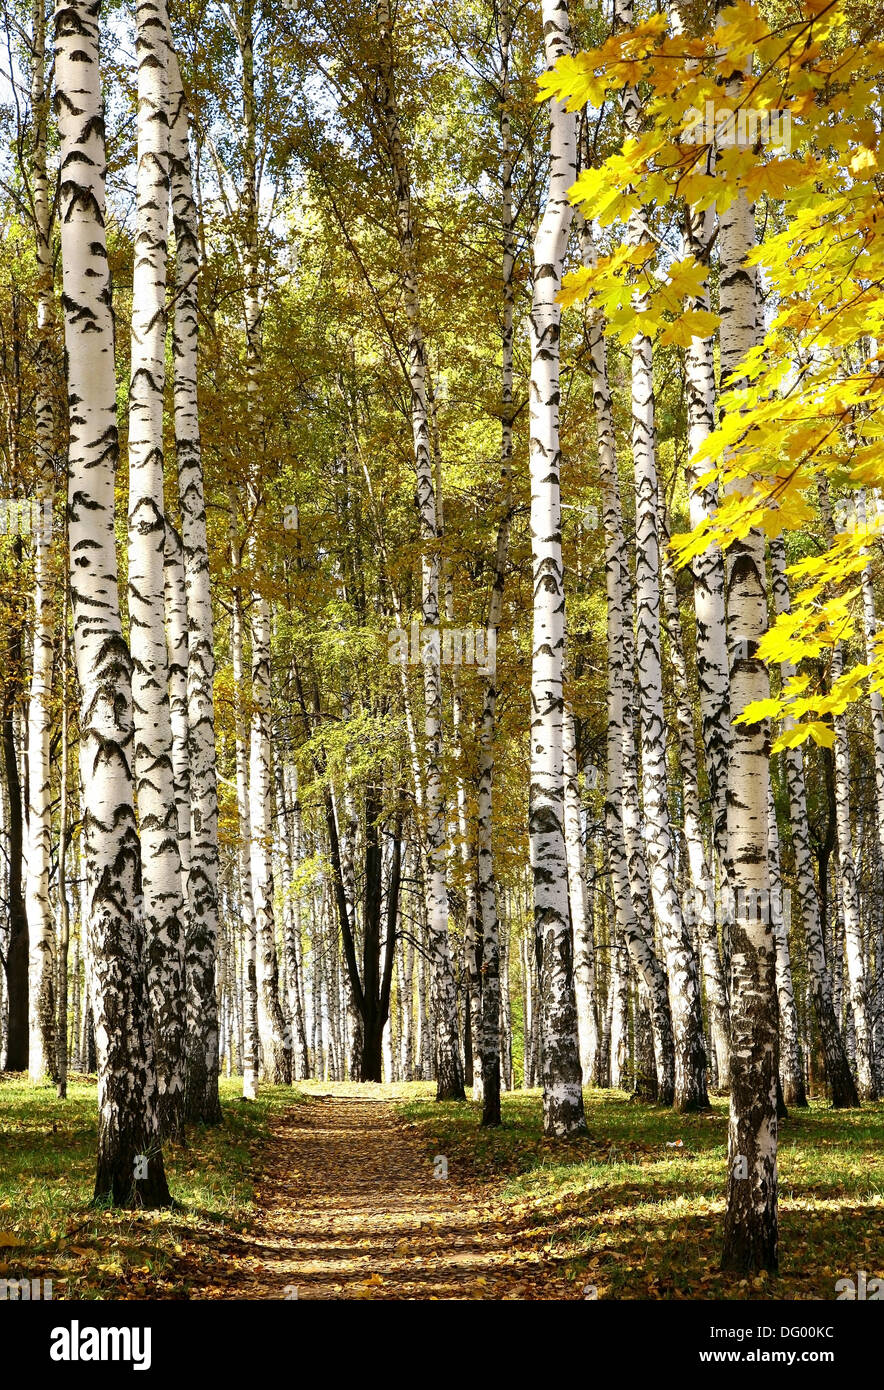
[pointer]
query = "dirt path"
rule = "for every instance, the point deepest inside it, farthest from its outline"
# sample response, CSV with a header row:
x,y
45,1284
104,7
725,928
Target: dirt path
x,y
350,1209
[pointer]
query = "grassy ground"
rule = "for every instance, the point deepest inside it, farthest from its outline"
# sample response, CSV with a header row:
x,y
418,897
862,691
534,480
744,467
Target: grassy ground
x,y
631,1217
47,1172
632,1211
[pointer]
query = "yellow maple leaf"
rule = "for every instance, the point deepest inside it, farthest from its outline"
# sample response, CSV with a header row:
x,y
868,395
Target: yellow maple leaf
x,y
696,323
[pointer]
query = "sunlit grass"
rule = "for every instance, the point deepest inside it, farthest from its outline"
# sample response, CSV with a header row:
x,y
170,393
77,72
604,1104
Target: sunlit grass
x,y
48,1229
632,1217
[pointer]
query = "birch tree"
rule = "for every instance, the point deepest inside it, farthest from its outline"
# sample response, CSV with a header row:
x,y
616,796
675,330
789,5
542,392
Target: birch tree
x,y
791,1072
681,961
244,839
41,972
449,1078
276,1044
560,1050
201,943
627,888
700,869
838,1074
161,879
130,1162
750,1232
708,567
489,1038
848,895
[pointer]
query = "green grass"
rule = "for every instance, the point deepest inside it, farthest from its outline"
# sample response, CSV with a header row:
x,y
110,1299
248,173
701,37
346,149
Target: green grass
x,y
621,1211
618,1210
48,1229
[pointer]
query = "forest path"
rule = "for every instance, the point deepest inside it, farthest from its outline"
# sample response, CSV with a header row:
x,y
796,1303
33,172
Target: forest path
x,y
349,1208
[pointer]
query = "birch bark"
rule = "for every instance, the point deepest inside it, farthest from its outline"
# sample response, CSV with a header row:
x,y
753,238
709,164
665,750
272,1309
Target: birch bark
x,y
128,1111
628,872
560,1050
163,902
750,1235
201,943
41,942
838,1074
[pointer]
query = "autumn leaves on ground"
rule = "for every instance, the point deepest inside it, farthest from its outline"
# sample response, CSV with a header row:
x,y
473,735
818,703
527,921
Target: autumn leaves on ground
x,y
337,1192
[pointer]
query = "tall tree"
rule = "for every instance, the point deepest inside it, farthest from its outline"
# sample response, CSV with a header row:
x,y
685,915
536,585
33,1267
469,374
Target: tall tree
x,y
201,943
560,1050
130,1167
449,1076
161,880
838,1074
41,982
750,1231
681,959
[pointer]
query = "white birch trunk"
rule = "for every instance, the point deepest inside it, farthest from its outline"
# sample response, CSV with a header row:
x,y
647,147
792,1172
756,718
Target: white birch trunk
x,y
628,872
41,963
838,1074
244,860
560,1051
847,879
791,1071
581,925
163,902
201,945
876,703
681,960
128,1111
750,1235
700,869
707,568
177,646
275,1043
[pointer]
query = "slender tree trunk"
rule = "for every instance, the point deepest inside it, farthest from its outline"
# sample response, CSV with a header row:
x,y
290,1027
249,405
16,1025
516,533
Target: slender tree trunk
x,y
619,1037
349,824
628,873
290,841
449,1076
849,894
161,880
560,1050
177,643
707,568
277,1056
130,1160
700,869
581,924
838,1074
64,917
244,859
505,1037
876,703
791,1072
488,1033
201,944
16,963
41,972
681,960
750,1233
